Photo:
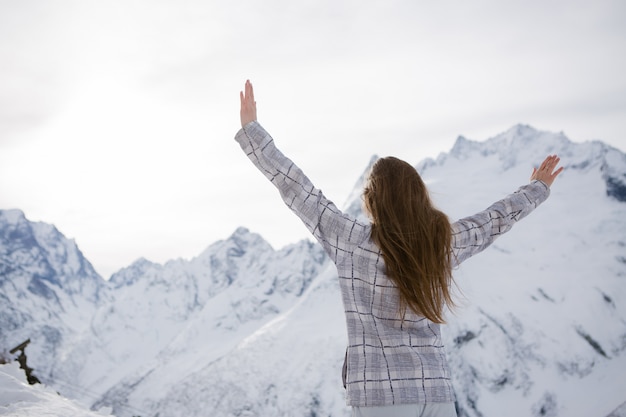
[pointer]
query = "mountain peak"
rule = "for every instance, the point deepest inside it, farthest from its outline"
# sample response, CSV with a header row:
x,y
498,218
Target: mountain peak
x,y
509,145
464,147
240,234
521,130
12,216
130,274
51,257
244,238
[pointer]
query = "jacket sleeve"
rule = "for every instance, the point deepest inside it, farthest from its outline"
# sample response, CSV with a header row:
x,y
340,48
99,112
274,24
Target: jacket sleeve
x,y
473,234
332,228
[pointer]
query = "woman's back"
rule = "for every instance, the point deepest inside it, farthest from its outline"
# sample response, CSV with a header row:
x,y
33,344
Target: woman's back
x,y
395,355
391,358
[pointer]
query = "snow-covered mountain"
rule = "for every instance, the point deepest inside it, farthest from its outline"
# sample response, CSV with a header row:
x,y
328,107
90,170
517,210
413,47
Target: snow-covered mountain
x,y
246,330
49,291
167,321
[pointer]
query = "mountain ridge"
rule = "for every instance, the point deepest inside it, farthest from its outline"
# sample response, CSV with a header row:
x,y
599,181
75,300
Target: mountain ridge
x,y
512,143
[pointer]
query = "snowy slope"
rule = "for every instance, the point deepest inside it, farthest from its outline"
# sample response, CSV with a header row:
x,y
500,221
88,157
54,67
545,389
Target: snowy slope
x,y
246,330
18,399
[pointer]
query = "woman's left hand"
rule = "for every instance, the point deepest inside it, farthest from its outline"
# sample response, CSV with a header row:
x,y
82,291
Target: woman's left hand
x,y
547,172
248,105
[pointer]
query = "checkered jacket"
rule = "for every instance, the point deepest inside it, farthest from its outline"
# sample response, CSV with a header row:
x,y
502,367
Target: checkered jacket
x,y
389,360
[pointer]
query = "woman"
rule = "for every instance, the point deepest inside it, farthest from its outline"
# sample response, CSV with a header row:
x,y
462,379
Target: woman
x,y
394,273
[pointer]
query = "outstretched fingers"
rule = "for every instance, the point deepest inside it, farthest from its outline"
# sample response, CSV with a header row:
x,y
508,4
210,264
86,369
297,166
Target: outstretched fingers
x,y
551,163
547,171
248,105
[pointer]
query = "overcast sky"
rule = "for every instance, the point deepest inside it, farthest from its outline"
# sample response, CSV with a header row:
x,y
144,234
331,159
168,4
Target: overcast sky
x,y
117,117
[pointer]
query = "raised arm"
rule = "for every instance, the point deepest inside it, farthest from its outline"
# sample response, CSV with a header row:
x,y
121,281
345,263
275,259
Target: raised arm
x,y
332,228
473,234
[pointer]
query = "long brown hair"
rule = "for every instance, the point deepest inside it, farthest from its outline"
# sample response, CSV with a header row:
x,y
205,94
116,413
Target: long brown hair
x,y
413,235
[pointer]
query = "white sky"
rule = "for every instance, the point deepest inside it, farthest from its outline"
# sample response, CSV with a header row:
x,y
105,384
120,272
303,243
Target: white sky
x,y
117,117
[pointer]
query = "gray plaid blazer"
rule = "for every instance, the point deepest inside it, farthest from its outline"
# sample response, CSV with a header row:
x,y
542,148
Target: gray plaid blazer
x,y
389,360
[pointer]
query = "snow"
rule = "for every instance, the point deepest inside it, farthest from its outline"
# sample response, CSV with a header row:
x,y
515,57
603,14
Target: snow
x,y
243,329
19,399
13,216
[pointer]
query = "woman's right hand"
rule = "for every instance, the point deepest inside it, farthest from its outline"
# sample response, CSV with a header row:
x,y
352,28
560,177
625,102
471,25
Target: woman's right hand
x,y
248,105
546,171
